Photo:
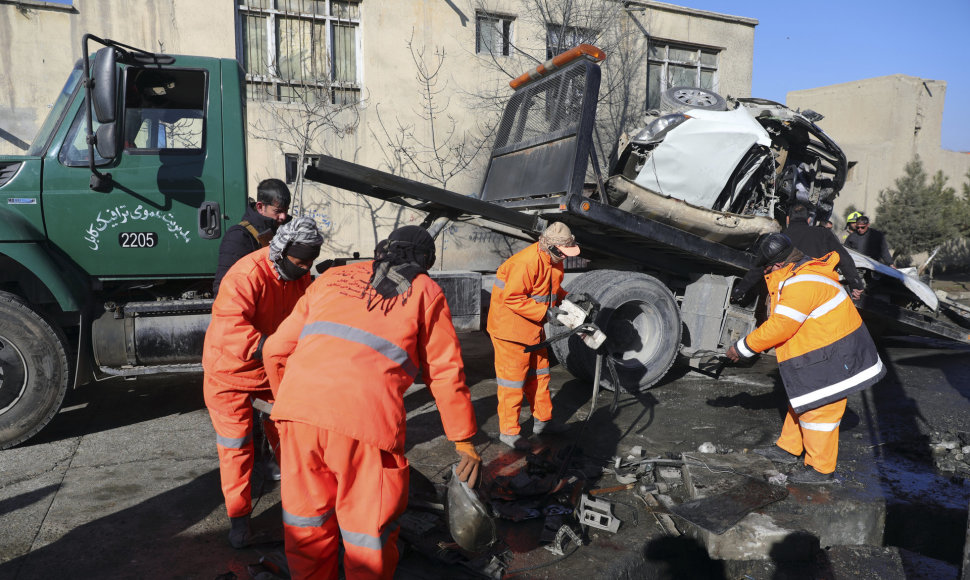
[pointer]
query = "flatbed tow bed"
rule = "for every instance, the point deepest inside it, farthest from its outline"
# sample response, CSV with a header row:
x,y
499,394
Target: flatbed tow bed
x,y
663,291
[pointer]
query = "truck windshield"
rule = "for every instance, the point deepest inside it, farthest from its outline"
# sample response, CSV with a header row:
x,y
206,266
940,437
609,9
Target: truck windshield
x,y
43,136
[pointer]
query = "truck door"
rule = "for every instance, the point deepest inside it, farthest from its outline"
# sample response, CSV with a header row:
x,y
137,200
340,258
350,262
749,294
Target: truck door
x,y
155,220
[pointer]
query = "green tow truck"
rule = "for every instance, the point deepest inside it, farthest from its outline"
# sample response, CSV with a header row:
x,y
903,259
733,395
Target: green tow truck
x,y
108,244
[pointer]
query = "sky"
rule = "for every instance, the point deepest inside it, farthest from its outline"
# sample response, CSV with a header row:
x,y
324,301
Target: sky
x,y
803,45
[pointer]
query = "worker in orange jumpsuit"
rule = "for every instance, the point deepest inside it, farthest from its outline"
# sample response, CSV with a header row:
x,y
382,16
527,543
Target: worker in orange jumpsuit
x,y
824,353
256,294
339,366
526,286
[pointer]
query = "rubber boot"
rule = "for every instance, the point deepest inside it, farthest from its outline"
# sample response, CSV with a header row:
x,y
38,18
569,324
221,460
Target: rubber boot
x,y
239,532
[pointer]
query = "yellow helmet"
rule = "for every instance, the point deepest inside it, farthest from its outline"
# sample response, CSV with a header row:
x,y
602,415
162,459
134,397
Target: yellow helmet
x,y
853,217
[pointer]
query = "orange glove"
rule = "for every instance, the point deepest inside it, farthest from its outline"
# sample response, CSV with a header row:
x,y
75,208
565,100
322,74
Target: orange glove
x,y
469,463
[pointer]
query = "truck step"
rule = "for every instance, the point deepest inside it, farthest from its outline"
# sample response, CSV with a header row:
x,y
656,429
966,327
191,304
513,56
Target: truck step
x,y
152,370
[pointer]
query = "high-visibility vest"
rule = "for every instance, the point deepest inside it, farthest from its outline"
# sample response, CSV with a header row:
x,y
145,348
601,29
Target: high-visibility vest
x,y
342,362
526,286
824,350
251,303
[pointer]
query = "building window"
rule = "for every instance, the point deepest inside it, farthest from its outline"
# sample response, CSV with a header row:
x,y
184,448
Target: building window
x,y
493,34
291,160
301,49
679,65
559,39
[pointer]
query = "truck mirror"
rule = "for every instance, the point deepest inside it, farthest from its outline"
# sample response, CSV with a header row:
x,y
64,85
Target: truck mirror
x,y
106,141
105,76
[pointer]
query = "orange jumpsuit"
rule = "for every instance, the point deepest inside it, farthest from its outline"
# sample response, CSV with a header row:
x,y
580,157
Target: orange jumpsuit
x,y
526,286
251,303
824,353
339,371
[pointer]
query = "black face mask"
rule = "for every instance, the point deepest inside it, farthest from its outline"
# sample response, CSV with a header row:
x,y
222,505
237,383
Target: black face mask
x,y
290,271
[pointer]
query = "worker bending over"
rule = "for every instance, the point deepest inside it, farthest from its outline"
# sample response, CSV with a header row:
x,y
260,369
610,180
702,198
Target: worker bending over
x,y
526,286
339,367
824,353
257,293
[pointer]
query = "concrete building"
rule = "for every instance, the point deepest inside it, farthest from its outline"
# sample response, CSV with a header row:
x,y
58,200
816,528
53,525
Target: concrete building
x,y
355,65
882,124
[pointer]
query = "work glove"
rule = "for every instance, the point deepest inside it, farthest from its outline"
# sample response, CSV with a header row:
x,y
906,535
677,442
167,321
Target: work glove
x,y
570,315
469,463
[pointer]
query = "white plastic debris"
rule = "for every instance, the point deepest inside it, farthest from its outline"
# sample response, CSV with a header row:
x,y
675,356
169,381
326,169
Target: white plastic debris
x,y
778,479
707,447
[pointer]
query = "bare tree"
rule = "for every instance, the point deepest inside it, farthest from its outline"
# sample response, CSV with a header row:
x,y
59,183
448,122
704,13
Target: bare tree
x,y
301,126
432,148
559,25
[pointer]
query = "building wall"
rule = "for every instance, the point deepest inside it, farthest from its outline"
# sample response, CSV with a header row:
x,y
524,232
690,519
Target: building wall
x,y
40,41
881,124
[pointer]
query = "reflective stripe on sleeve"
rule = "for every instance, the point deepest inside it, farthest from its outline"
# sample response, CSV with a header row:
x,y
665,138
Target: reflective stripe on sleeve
x,y
791,313
819,426
838,387
500,284
305,521
541,298
362,540
743,349
381,345
233,442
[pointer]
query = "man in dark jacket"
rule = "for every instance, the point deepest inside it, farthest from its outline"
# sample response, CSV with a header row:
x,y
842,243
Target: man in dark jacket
x,y
816,242
257,227
812,241
824,353
868,241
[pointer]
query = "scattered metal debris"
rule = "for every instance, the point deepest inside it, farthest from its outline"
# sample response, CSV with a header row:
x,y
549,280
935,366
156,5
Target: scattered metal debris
x,y
564,536
597,513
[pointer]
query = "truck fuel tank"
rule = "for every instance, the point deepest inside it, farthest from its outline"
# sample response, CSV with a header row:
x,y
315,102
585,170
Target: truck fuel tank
x,y
166,332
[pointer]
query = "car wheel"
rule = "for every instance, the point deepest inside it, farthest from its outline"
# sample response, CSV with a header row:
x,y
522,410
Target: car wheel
x,y
33,371
680,98
642,323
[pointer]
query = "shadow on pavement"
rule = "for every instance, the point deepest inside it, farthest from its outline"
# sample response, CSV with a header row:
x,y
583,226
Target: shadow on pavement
x,y
148,540
117,403
23,500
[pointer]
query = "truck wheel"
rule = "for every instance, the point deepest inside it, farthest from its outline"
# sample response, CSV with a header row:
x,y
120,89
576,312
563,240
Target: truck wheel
x,y
33,371
680,98
642,323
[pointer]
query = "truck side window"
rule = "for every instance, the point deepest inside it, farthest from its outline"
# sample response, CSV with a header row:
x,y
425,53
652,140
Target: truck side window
x,y
164,110
74,152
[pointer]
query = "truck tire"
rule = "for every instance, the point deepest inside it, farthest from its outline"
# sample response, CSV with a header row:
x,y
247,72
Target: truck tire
x,y
642,323
682,98
33,371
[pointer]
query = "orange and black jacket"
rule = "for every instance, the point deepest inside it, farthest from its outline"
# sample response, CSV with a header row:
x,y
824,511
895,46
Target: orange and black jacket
x,y
343,366
824,350
526,286
252,303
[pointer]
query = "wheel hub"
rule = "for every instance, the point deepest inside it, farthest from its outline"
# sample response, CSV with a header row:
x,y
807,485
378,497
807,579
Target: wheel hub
x,y
13,375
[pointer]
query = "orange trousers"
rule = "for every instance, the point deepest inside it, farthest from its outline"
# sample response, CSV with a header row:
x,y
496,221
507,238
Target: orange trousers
x,y
817,433
518,373
333,484
231,411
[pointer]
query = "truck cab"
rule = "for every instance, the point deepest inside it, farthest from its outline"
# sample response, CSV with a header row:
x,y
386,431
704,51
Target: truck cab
x,y
111,225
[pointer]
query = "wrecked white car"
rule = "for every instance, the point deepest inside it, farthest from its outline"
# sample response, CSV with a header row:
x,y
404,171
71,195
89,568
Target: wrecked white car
x,y
727,170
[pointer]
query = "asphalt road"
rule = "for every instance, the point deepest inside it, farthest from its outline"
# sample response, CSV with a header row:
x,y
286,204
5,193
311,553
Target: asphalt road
x,y
124,482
